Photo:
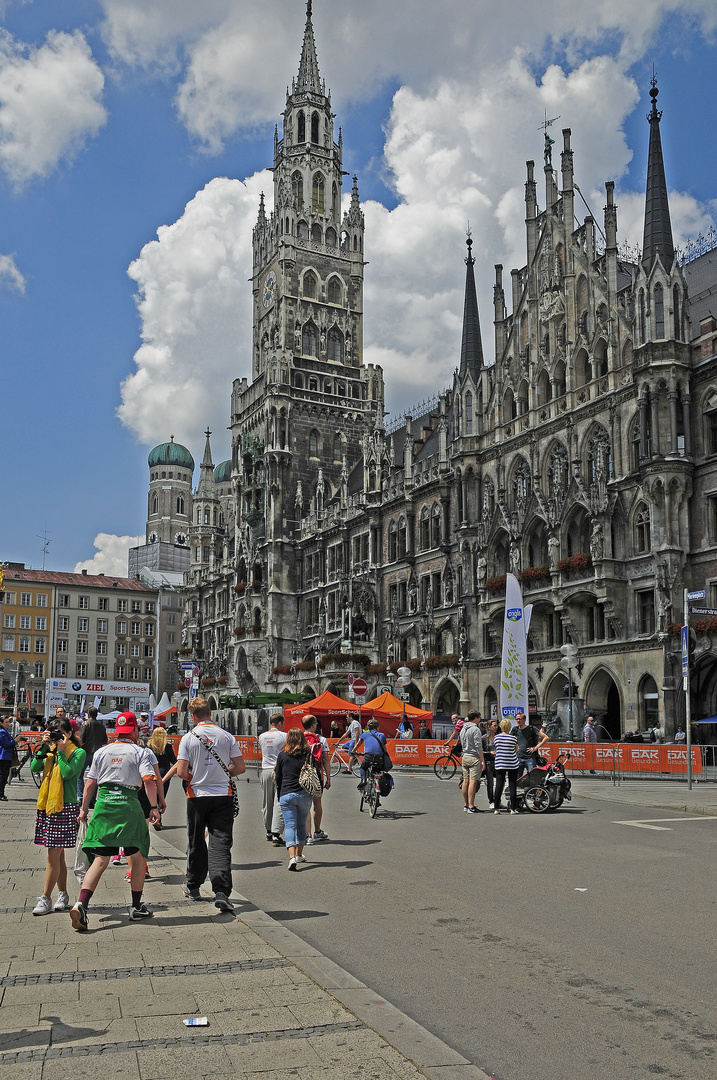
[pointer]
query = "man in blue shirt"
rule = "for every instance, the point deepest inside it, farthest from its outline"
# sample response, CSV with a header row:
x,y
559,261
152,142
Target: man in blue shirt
x,y
374,746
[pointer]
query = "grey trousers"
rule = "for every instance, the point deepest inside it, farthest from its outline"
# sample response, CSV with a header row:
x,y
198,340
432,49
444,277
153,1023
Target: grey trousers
x,y
270,809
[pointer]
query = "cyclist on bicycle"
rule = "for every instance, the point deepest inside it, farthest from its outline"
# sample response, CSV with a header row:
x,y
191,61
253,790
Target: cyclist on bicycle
x,y
375,752
353,735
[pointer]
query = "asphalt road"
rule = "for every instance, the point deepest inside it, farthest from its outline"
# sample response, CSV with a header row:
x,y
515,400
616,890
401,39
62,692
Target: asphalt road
x,y
559,946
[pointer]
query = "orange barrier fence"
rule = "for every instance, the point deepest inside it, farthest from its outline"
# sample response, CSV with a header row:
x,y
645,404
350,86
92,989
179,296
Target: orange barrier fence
x,y
654,758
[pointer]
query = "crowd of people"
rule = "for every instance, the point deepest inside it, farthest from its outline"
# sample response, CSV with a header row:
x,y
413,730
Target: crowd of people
x,y
99,799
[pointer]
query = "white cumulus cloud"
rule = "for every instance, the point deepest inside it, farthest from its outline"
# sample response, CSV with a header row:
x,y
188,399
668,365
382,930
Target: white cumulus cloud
x,y
228,55
10,275
111,555
50,102
194,302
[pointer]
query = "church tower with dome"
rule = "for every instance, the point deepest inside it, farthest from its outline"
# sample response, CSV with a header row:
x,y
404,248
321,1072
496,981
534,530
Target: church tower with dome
x,y
169,511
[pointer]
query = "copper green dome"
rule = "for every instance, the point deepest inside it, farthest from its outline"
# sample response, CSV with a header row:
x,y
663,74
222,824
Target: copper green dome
x,y
223,472
171,453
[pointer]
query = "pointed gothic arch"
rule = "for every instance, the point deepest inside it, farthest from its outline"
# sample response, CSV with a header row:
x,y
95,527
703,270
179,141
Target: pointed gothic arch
x,y
318,188
335,345
309,339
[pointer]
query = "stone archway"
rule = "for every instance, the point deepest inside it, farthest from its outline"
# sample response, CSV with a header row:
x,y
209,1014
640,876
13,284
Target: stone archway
x,y
446,698
602,700
490,699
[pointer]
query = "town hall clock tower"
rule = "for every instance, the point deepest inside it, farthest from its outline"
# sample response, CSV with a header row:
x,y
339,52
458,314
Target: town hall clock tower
x,y
299,428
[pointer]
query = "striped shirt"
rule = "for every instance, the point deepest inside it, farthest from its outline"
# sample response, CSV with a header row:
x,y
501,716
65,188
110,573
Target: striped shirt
x,y
506,751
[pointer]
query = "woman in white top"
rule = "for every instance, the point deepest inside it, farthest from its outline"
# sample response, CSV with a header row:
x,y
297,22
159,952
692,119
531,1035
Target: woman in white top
x,y
506,762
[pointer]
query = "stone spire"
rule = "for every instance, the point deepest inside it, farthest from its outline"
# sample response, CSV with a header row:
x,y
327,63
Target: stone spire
x,y
309,78
657,238
206,478
471,343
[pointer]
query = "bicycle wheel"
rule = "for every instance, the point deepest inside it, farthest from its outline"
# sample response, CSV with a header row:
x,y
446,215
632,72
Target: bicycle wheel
x,y
537,799
445,767
356,767
372,795
336,764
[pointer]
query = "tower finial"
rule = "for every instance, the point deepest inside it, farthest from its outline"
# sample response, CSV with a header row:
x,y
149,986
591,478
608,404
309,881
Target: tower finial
x,y
471,342
657,238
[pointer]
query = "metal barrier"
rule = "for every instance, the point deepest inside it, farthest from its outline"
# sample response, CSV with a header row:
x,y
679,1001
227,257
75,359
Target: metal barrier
x,y
709,762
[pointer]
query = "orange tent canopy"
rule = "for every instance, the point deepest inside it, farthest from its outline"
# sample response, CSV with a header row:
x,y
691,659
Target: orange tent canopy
x,y
324,708
166,712
388,707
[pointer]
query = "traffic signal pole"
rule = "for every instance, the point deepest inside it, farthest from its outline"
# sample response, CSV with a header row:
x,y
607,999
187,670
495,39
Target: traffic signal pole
x,y
688,708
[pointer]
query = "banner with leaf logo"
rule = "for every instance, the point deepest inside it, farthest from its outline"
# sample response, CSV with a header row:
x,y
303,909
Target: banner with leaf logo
x,y
514,662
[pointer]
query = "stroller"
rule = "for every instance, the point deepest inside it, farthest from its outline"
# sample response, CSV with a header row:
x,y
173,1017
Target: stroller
x,y
545,787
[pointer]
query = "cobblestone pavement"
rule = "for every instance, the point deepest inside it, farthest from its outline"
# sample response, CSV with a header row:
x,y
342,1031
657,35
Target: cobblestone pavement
x,y
76,1006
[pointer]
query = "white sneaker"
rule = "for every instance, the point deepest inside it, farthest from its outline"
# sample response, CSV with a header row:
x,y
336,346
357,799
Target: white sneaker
x,y
292,864
43,906
491,806
301,858
62,903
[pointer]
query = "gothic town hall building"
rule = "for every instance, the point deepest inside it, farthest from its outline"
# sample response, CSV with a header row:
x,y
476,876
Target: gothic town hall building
x,y
582,458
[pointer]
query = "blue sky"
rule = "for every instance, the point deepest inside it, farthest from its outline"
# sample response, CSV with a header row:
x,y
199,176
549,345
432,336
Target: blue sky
x,y
118,116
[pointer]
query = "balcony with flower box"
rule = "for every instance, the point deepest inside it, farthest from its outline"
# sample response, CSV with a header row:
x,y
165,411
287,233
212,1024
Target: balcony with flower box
x,y
576,566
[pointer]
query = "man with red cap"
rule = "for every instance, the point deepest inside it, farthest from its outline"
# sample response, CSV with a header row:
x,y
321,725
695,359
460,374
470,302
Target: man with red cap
x,y
118,771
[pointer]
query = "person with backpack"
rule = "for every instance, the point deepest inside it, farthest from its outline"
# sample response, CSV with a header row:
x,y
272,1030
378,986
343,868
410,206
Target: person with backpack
x,y
320,758
375,752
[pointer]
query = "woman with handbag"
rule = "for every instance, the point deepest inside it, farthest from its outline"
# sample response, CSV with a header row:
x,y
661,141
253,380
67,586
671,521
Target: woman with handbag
x,y
294,799
60,759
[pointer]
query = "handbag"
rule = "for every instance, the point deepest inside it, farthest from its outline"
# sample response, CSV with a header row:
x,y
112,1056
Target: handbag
x,y
82,863
215,755
309,778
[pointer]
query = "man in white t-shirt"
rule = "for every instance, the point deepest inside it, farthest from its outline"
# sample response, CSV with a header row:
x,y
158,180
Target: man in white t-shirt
x,y
353,734
118,770
210,805
271,743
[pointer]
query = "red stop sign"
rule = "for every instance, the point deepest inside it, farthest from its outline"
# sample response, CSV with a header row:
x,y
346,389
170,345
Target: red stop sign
x,y
360,687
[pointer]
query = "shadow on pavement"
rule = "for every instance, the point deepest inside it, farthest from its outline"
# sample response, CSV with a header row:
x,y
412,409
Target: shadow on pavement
x,y
354,843
286,916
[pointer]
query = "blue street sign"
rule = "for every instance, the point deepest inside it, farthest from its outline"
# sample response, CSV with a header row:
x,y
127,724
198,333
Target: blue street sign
x,y
685,638
703,611
699,594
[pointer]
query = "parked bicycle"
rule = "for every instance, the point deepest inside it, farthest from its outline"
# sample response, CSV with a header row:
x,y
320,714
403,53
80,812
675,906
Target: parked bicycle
x,y
340,759
445,766
24,751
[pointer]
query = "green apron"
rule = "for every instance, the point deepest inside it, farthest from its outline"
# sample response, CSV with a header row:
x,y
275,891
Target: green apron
x,y
118,820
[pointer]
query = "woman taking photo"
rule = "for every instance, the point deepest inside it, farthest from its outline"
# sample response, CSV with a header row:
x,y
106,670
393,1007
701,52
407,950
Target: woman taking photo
x,y
60,759
294,801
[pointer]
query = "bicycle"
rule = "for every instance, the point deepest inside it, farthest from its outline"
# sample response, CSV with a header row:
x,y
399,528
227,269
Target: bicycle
x,y
24,751
341,757
369,790
445,766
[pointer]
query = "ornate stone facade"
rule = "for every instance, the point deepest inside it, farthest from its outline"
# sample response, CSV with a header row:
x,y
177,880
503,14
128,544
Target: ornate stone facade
x,y
584,460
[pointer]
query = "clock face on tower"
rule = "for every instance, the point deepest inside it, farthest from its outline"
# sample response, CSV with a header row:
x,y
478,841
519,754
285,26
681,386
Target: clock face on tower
x,y
180,538
268,295
153,538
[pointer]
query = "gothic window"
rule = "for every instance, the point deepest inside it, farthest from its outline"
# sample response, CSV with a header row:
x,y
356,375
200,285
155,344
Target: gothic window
x,y
331,238
338,447
310,285
436,526
599,460
335,345
545,391
643,326
316,234
392,542
199,516
317,194
314,127
155,505
355,243
521,486
313,444
642,529
334,291
424,530
600,356
677,313
335,208
712,432
509,407
469,413
309,340
180,505
402,538
559,378
301,127
297,187
207,519
459,416
658,298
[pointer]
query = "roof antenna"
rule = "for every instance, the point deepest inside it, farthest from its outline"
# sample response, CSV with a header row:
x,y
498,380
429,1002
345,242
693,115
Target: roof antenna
x,y
46,543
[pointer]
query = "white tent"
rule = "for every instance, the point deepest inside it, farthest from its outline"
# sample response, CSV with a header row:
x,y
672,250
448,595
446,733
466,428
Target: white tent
x,y
164,706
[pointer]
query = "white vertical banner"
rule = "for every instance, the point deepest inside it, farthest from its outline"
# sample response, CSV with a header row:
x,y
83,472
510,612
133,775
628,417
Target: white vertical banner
x,y
514,661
